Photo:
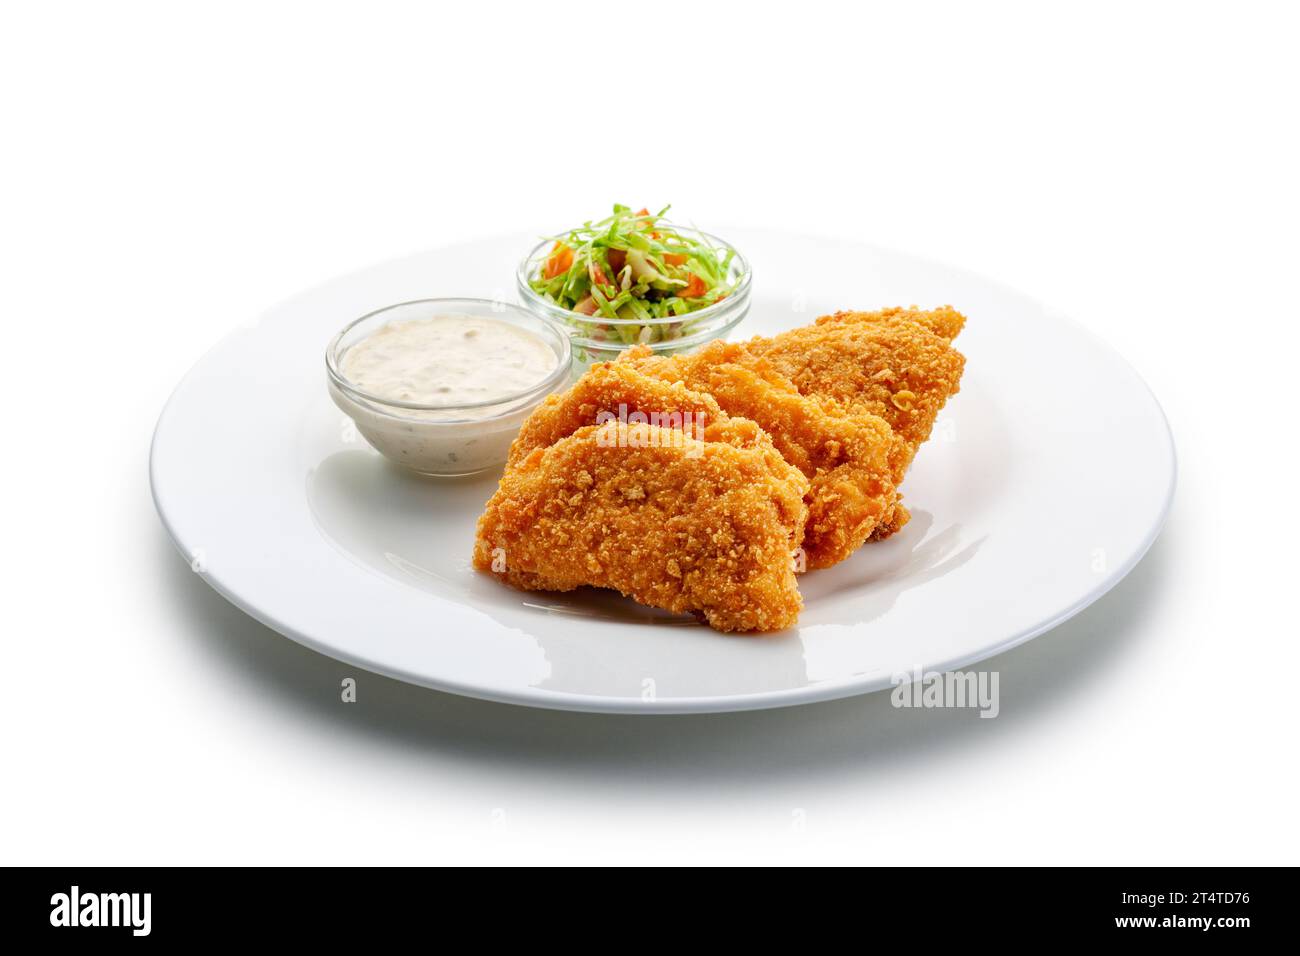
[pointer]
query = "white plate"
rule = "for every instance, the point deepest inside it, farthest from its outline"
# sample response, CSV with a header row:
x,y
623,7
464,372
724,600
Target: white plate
x,y
1046,479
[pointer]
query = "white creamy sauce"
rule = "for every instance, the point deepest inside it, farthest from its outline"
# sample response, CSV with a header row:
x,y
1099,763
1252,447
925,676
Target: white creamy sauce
x,y
448,360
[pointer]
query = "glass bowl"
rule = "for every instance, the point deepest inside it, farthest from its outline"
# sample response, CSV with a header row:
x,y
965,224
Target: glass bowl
x,y
600,339
444,439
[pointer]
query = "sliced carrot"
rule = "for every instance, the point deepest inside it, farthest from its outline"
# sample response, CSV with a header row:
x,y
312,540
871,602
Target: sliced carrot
x,y
674,258
559,261
694,288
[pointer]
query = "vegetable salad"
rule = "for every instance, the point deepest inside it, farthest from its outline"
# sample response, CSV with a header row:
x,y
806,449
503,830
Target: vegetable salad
x,y
634,268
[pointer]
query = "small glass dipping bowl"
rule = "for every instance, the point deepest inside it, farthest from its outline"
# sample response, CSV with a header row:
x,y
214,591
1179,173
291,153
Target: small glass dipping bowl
x,y
600,339
444,439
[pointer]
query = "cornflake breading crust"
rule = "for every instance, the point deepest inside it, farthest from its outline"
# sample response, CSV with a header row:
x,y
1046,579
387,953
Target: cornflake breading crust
x,y
845,457
604,389
702,527
711,469
896,364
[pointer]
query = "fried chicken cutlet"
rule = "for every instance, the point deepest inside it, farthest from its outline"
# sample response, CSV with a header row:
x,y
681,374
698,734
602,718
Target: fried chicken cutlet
x,y
844,457
607,389
896,364
672,522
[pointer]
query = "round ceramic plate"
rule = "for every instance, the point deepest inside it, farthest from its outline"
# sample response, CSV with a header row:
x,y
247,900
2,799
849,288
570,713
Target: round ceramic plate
x,y
1046,479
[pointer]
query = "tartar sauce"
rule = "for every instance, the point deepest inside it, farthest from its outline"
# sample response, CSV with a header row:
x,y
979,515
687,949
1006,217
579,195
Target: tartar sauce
x,y
448,360
445,361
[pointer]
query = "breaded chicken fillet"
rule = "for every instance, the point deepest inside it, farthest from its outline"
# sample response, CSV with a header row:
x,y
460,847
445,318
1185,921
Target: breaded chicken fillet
x,y
896,364
844,457
610,389
672,522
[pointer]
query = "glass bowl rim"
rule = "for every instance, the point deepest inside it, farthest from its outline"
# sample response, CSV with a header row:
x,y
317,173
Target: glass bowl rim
x,y
514,399
663,347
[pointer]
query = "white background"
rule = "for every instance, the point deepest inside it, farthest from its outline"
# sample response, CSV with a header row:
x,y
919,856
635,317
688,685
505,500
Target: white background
x,y
170,171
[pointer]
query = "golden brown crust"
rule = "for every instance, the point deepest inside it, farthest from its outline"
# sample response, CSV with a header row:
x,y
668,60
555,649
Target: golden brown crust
x,y
945,321
896,364
893,522
798,439
672,522
601,391
845,457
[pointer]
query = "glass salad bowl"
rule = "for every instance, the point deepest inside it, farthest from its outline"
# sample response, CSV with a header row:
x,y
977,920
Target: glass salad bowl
x,y
600,337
